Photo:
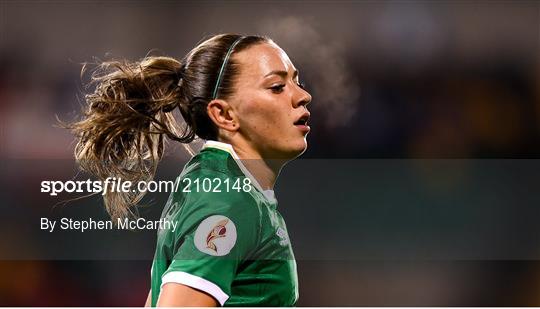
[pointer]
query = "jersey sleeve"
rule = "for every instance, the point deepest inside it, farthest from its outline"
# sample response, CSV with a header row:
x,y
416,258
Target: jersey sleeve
x,y
217,232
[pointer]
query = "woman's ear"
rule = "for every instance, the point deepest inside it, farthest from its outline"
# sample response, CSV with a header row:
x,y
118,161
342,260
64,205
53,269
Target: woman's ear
x,y
222,115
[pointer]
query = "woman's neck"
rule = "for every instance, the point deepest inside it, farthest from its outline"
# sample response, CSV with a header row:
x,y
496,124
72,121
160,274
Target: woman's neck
x,y
264,171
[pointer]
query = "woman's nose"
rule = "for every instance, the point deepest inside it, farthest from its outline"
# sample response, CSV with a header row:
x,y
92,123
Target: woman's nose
x,y
303,97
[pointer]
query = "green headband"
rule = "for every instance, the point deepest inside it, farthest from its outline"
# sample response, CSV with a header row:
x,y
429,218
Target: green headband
x,y
223,65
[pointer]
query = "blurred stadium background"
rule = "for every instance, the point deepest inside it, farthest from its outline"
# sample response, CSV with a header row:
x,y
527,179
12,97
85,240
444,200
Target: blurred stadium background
x,y
448,87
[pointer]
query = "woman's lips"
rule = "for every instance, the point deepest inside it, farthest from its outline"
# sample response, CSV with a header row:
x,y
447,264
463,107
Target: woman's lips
x,y
303,127
302,123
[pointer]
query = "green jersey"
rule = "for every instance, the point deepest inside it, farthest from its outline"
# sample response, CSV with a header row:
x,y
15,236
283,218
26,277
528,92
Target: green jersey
x,y
231,241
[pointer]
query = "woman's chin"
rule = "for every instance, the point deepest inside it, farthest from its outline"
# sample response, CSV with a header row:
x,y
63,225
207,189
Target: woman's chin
x,y
297,150
303,147
287,152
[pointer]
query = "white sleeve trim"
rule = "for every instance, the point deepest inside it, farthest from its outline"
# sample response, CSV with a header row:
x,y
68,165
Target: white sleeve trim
x,y
197,283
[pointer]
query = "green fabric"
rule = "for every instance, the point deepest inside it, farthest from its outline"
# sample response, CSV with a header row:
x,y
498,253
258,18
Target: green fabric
x,y
259,270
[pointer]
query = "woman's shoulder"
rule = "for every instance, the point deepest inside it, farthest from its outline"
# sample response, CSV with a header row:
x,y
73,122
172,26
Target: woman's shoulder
x,y
212,183
204,191
206,201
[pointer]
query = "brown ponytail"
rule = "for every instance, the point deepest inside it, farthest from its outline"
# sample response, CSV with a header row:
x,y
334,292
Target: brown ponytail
x,y
125,120
131,111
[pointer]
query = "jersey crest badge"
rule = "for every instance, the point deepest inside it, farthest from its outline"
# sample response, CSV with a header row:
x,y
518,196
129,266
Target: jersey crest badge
x,y
215,235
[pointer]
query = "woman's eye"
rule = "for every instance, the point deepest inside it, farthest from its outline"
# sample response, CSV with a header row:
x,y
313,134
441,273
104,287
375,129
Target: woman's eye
x,y
277,88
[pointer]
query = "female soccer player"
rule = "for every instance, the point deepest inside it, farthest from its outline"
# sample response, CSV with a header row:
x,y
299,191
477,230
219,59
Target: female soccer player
x,y
242,95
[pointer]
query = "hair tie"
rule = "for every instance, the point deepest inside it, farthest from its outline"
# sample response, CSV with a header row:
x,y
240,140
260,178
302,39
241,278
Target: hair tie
x,y
180,74
223,65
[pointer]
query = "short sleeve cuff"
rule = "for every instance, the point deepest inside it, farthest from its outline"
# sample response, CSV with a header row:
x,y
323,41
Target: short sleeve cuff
x,y
196,283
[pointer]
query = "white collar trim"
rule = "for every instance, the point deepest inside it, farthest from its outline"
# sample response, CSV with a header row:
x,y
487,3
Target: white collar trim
x,y
269,194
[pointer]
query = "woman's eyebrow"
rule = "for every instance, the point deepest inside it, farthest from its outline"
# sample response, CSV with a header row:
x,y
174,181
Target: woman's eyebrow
x,y
282,73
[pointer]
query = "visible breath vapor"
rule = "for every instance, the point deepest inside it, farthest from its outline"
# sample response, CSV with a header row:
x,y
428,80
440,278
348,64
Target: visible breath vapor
x,y
334,88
